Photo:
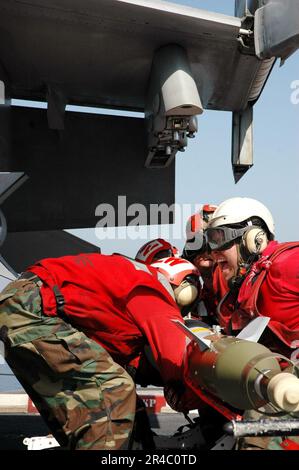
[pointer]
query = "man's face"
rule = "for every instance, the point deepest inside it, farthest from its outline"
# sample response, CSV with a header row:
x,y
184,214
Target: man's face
x,y
227,261
203,262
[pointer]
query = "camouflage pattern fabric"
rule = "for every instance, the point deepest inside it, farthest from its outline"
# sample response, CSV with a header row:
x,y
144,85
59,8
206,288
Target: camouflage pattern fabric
x,y
87,400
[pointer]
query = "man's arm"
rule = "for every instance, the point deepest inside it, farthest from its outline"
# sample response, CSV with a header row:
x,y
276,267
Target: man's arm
x,y
153,315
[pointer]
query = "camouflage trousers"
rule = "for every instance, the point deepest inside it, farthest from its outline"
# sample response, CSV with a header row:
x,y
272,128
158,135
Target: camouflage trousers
x,y
87,400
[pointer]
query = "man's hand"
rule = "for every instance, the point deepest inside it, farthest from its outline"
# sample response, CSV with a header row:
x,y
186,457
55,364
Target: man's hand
x,y
143,371
146,374
182,399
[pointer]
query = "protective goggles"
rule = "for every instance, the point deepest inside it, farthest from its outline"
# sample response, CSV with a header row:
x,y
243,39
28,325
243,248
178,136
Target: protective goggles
x,y
221,238
168,253
191,279
195,247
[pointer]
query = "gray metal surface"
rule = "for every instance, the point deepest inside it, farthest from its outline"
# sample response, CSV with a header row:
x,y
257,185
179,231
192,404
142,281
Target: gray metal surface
x,y
246,7
15,427
95,159
100,52
264,427
21,249
277,28
7,274
10,182
242,142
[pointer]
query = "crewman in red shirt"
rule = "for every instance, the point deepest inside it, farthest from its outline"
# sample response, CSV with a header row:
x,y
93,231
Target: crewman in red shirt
x,y
263,276
196,251
71,324
143,368
156,249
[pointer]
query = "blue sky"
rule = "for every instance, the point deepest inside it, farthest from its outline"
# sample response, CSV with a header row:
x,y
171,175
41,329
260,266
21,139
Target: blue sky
x,y
203,172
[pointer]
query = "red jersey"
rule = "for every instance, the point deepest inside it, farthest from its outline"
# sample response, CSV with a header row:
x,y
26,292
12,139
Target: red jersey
x,y
220,287
119,303
213,290
270,289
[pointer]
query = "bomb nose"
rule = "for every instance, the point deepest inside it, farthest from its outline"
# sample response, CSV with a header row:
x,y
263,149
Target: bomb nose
x,y
283,392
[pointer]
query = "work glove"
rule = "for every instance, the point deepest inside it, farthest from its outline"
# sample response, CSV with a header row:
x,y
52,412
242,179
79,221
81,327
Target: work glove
x,y
180,398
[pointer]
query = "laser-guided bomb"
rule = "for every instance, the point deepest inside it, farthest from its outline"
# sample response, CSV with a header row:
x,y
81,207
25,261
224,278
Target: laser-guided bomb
x,y
238,372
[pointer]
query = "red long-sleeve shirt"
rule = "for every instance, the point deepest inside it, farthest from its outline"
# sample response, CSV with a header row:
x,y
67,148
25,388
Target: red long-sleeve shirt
x,y
279,294
120,304
270,289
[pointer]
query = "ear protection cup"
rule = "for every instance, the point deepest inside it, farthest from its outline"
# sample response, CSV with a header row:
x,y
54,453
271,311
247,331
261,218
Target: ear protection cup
x,y
185,294
254,240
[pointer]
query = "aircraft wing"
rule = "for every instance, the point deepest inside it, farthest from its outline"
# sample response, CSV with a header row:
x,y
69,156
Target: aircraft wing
x,y
22,249
100,52
106,53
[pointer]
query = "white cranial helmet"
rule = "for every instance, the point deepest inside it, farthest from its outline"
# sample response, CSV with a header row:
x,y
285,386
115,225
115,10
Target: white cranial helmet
x,y
239,209
183,276
154,250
